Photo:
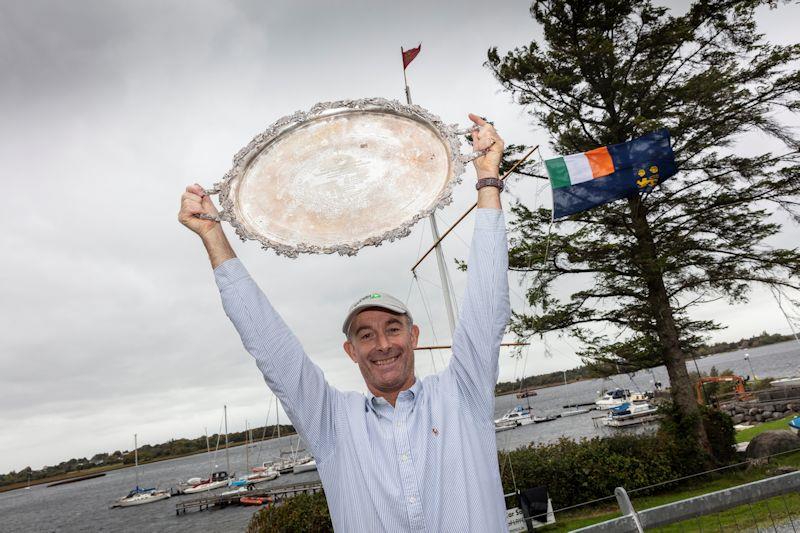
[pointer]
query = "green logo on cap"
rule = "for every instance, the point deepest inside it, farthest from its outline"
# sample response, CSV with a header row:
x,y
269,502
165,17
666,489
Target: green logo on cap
x,y
374,295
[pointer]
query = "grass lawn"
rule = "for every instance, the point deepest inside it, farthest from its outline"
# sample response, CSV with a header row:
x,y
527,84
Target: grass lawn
x,y
761,513
747,434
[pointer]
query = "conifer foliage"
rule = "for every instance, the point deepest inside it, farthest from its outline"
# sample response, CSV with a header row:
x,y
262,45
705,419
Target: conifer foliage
x,y
607,71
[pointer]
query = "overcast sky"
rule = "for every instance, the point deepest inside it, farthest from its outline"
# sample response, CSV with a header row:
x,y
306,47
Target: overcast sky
x,y
111,323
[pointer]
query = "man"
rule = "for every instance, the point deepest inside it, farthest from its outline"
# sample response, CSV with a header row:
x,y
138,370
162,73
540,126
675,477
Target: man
x,y
411,455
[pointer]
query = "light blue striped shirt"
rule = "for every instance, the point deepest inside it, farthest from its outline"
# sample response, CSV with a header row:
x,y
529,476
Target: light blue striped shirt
x,y
430,462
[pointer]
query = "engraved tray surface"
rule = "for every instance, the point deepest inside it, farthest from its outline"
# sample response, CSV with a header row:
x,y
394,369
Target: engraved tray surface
x,y
341,176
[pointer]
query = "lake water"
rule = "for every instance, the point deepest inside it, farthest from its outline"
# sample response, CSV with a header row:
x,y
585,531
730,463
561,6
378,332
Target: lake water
x,y
84,506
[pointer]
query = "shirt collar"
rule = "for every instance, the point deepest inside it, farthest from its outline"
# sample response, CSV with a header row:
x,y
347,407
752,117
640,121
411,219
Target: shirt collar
x,y
375,403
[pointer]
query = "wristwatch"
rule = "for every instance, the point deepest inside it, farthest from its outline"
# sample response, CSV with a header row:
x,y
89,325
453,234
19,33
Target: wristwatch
x,y
489,182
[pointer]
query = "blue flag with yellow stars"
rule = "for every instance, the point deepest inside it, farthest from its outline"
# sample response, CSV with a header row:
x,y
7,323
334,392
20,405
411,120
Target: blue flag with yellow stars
x,y
583,181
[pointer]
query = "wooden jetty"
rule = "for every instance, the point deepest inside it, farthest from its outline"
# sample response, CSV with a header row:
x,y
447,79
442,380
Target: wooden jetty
x,y
587,404
76,479
277,494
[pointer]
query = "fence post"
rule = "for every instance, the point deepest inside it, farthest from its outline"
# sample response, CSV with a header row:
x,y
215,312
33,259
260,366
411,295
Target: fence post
x,y
626,507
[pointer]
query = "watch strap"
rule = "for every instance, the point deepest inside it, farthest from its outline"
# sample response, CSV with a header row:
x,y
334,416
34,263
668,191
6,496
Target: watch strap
x,y
489,182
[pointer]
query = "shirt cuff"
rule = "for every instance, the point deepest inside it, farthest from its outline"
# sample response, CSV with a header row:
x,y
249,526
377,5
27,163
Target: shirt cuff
x,y
230,272
490,219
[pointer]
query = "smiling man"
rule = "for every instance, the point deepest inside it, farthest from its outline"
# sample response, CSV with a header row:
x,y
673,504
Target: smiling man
x,y
411,455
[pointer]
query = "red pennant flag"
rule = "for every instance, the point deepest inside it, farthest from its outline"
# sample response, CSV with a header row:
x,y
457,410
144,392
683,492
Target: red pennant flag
x,y
409,55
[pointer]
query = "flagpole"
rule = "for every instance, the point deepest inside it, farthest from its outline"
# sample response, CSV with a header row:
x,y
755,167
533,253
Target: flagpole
x,y
443,276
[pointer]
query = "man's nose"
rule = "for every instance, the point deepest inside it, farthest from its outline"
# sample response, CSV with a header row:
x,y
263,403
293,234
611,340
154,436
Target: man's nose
x,y
383,342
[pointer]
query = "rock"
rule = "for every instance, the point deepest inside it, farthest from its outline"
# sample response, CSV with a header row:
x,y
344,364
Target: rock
x,y
737,419
767,413
753,411
739,409
786,413
779,407
772,442
758,418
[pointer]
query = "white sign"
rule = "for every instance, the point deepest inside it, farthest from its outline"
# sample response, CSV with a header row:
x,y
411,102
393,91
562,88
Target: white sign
x,y
515,520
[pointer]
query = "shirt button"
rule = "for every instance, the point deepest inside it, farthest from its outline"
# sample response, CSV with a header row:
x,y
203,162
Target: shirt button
x,y
398,424
411,499
404,457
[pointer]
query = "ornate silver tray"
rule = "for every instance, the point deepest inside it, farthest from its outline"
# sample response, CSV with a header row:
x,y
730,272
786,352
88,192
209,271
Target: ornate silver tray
x,y
341,176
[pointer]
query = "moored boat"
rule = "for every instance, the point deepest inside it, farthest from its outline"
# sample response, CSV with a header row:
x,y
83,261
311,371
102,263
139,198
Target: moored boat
x,y
141,496
255,500
518,416
631,414
613,398
504,426
217,480
786,382
305,467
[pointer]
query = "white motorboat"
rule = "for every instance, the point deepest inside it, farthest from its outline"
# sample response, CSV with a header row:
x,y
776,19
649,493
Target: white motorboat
x,y
786,382
519,416
613,398
631,414
305,467
504,426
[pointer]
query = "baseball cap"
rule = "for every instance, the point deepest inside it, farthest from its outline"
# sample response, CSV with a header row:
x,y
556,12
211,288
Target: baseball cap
x,y
375,299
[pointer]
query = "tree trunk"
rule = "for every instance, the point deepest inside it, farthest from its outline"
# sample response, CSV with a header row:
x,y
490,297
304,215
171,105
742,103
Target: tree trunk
x,y
658,300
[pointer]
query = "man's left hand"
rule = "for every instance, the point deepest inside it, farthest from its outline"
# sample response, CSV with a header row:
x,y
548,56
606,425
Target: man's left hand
x,y
485,137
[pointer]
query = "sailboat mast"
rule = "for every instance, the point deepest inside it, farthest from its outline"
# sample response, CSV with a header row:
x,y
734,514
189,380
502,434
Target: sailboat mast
x,y
278,416
136,458
227,455
246,447
449,304
208,451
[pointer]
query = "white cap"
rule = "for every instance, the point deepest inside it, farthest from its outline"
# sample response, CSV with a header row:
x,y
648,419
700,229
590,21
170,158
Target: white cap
x,y
375,299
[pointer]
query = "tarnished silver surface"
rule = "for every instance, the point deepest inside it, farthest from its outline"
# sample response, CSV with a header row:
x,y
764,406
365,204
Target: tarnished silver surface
x,y
341,176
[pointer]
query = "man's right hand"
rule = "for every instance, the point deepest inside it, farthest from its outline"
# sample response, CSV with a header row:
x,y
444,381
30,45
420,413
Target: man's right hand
x,y
195,201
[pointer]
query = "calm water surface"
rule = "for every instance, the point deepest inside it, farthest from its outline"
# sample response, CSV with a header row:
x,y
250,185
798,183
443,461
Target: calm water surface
x,y
84,506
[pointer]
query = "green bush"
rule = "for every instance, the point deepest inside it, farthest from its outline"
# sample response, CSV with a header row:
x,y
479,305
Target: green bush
x,y
305,512
575,472
680,430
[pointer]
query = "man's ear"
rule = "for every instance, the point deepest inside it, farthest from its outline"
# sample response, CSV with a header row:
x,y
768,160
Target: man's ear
x,y
350,349
415,335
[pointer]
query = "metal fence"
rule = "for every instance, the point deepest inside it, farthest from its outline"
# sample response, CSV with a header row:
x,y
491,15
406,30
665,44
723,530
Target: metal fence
x,y
713,504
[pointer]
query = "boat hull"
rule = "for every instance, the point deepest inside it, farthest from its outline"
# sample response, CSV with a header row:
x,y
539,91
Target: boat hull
x,y
141,499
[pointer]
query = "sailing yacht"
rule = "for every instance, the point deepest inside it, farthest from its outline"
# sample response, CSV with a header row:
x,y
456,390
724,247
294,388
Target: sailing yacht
x,y
139,496
216,479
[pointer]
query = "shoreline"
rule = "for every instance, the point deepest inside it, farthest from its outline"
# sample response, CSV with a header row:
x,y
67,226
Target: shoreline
x,y
110,468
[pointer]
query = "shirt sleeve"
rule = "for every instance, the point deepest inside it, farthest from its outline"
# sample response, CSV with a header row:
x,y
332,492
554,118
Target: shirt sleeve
x,y
484,315
300,384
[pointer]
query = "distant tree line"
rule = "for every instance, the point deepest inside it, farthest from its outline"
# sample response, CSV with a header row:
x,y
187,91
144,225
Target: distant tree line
x,y
147,452
591,372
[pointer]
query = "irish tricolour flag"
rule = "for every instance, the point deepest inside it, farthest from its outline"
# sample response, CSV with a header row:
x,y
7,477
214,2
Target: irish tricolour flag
x,y
586,180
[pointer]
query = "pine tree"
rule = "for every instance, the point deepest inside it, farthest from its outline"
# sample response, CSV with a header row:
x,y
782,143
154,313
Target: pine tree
x,y
609,71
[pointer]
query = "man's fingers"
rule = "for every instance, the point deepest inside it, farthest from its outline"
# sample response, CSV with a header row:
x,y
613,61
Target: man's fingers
x,y
477,120
196,189
190,197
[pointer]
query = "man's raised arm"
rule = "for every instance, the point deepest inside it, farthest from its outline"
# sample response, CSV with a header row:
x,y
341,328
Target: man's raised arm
x,y
288,371
485,310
